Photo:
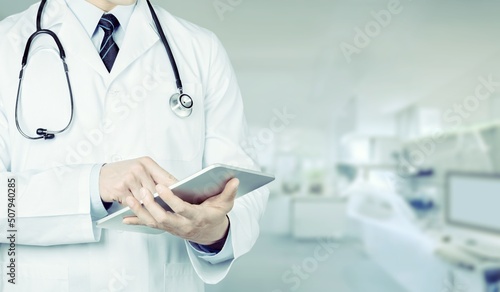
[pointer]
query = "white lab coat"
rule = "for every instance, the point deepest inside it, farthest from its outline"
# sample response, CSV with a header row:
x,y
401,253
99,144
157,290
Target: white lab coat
x,y
119,115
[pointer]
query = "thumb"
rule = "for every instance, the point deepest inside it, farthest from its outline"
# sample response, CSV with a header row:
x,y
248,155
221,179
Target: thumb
x,y
231,189
228,194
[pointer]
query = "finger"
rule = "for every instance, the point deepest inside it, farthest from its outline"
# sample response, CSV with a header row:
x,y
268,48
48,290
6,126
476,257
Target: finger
x,y
166,220
159,175
157,211
134,187
232,188
177,205
143,216
120,197
228,194
147,181
132,220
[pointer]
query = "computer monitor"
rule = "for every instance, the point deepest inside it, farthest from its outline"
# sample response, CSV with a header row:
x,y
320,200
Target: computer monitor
x,y
472,211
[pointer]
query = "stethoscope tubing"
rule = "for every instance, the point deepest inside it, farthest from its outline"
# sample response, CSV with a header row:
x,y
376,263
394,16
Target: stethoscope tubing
x,y
164,40
43,133
181,111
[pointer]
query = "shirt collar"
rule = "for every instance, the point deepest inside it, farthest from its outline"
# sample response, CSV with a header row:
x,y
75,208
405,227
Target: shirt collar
x,y
89,15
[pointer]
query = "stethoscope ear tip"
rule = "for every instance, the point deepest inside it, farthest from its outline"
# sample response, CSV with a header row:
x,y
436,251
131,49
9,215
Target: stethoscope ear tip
x,y
43,134
41,131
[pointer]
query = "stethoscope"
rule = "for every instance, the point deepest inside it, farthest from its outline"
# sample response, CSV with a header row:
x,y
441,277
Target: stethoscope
x,y
180,103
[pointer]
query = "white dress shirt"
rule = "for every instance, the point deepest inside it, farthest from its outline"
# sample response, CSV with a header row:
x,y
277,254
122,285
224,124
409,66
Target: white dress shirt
x,y
89,16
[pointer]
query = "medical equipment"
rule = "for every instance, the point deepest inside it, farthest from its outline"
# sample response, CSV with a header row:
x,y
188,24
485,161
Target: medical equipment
x,y
180,103
471,212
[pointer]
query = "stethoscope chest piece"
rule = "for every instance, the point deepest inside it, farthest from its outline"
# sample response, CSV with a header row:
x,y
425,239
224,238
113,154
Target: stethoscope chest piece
x,y
181,105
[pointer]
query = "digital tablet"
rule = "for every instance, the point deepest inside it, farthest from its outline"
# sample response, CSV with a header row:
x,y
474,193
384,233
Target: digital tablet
x,y
194,189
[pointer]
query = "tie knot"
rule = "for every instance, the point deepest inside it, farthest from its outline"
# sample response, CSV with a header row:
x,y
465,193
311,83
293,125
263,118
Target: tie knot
x,y
109,23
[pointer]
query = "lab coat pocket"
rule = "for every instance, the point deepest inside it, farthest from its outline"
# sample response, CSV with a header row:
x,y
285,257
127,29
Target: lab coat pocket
x,y
182,277
37,277
171,137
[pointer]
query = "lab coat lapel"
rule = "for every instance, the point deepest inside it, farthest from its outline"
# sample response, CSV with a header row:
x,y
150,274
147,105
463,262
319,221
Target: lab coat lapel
x,y
77,42
139,38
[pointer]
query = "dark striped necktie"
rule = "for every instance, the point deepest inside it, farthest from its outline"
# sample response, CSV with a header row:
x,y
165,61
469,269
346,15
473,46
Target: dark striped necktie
x,y
109,49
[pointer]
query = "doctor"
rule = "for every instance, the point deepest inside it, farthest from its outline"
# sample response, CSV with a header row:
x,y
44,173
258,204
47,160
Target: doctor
x,y
123,143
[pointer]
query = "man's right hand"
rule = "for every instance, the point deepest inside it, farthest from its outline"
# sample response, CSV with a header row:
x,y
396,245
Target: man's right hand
x,y
121,179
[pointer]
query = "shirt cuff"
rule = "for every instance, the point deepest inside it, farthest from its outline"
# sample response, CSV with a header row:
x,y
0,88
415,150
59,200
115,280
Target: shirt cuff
x,y
227,252
97,210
